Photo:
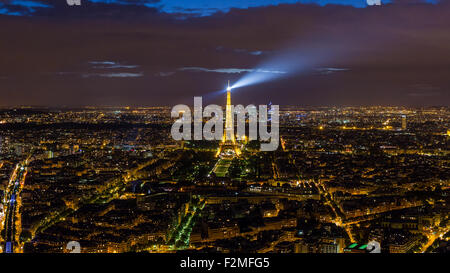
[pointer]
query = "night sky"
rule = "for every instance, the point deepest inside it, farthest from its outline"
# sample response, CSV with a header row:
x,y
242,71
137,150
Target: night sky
x,y
164,52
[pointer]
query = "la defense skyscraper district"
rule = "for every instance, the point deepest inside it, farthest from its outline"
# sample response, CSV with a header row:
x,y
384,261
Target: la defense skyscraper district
x,y
88,162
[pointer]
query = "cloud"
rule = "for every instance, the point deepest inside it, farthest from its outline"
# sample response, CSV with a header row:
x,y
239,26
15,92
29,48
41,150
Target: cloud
x,y
204,8
175,9
113,75
421,95
88,8
110,65
164,74
253,52
424,90
369,41
21,7
103,62
415,1
330,70
105,65
126,2
230,70
258,52
102,75
27,3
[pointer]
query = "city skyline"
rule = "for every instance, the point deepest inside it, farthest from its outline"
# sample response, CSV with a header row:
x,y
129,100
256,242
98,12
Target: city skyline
x,y
114,180
225,131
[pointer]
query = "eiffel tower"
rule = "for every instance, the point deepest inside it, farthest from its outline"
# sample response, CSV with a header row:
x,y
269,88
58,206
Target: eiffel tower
x,y
228,147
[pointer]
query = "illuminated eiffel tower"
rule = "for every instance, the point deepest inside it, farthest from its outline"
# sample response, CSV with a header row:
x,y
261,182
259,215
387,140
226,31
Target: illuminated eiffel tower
x,y
228,147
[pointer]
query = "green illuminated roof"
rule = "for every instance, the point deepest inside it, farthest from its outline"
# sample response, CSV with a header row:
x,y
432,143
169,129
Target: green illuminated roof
x,y
352,245
363,247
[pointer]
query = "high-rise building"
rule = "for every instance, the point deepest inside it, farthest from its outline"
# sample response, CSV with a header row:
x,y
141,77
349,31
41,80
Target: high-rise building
x,y
403,122
328,248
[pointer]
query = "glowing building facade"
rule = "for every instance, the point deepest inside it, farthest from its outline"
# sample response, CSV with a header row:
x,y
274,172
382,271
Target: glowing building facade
x,y
404,124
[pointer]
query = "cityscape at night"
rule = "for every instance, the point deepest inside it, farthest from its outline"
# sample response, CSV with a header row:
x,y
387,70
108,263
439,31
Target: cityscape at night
x,y
347,149
114,180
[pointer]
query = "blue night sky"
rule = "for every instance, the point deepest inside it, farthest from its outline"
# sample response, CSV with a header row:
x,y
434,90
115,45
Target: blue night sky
x,y
190,7
208,7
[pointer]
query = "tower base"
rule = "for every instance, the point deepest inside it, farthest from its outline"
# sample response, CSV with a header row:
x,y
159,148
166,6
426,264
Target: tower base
x,y
228,150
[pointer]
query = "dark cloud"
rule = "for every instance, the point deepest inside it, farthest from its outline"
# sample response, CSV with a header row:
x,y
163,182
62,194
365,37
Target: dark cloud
x,y
110,65
88,9
230,70
330,70
22,7
113,75
164,74
424,90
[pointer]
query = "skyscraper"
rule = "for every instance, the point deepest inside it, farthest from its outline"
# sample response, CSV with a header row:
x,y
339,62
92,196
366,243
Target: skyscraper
x,y
403,122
